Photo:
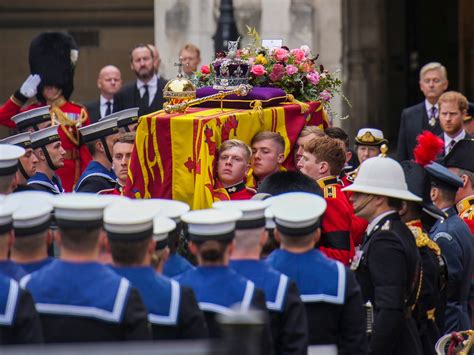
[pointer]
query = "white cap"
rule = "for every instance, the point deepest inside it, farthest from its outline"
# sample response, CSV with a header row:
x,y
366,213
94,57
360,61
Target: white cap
x,y
6,216
211,224
370,136
269,222
44,136
128,220
79,210
98,130
31,216
253,212
32,117
161,228
9,155
21,140
168,208
384,177
124,117
297,213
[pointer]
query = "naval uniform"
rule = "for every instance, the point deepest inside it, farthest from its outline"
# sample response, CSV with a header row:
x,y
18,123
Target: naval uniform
x,y
94,305
36,265
218,289
172,310
12,270
389,276
41,182
19,321
96,178
176,265
331,296
287,311
457,246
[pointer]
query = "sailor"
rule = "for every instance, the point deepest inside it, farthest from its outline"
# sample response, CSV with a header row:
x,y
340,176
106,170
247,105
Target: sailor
x,y
78,299
132,230
98,175
330,293
287,311
457,246
127,120
33,120
218,288
388,267
9,162
47,147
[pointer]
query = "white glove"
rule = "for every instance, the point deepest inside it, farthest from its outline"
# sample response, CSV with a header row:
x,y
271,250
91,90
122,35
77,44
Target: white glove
x,y
30,86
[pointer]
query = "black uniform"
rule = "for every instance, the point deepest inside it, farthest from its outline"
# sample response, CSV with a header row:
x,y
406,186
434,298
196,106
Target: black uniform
x,y
95,178
19,321
41,182
85,302
388,273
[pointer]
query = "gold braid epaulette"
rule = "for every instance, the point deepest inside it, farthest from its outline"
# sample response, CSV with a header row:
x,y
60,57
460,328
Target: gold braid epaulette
x,y
422,239
65,122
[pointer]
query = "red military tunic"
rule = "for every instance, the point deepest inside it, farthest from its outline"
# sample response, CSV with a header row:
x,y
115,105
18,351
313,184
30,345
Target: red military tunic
x,y
465,209
240,192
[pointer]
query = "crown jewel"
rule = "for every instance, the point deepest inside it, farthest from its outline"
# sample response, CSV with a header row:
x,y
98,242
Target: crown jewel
x,y
230,70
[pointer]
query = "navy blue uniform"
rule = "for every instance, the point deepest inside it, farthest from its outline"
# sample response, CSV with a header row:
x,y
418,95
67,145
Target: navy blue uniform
x,y
12,270
41,182
95,178
455,240
36,265
287,311
85,302
172,309
19,322
332,298
176,265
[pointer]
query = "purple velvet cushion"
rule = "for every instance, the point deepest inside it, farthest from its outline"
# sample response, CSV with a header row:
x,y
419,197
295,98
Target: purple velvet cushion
x,y
268,97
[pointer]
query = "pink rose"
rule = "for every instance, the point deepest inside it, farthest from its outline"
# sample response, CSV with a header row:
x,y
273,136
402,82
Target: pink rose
x,y
325,95
205,69
258,70
306,50
277,73
313,77
291,69
299,55
281,54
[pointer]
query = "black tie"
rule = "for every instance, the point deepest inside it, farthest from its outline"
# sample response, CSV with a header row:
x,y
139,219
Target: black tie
x,y
146,97
108,110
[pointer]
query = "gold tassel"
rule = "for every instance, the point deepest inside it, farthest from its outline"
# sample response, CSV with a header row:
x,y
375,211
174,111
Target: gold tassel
x,y
257,106
291,100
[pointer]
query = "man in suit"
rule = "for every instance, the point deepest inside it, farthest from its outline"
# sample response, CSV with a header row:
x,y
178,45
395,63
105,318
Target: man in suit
x,y
147,91
452,111
109,83
423,116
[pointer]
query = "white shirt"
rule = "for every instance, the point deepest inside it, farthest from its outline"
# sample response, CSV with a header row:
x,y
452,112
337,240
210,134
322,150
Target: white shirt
x,y
103,106
152,88
448,139
428,107
376,220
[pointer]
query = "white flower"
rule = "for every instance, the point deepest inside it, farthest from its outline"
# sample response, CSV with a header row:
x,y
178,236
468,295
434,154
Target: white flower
x,y
306,49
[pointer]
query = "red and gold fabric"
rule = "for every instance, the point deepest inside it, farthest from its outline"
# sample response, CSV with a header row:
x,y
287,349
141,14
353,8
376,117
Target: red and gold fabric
x,y
465,209
175,154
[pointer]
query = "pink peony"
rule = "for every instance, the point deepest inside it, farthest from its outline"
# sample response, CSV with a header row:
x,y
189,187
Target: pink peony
x,y
258,70
325,95
299,55
277,73
313,77
205,69
281,54
291,69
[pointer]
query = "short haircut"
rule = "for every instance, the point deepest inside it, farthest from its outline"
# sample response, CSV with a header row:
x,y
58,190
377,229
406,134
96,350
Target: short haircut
x,y
30,244
446,195
91,147
190,48
81,240
128,252
267,135
297,241
433,66
141,45
247,240
338,133
454,97
469,174
6,183
127,137
329,150
231,143
289,181
212,250
308,130
394,203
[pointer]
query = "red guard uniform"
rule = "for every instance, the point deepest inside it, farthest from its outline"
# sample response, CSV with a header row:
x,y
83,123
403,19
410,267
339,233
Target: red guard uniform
x,y
465,209
240,192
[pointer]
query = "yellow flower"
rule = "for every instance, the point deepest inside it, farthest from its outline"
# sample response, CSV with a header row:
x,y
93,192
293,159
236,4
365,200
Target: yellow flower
x,y
260,59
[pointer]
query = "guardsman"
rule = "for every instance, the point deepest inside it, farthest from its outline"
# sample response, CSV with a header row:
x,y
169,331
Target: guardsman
x,y
27,163
429,310
47,147
78,299
98,175
287,311
31,226
388,266
457,246
218,288
9,163
330,292
172,310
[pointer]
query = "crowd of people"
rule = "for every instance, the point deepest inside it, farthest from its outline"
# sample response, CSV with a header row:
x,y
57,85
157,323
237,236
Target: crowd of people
x,y
352,250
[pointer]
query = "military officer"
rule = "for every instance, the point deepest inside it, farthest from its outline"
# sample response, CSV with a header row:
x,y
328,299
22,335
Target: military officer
x,y
132,230
388,266
330,293
78,299
457,246
287,311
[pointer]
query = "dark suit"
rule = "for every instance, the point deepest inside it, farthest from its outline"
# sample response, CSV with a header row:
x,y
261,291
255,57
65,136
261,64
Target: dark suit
x,y
93,108
129,97
467,136
414,120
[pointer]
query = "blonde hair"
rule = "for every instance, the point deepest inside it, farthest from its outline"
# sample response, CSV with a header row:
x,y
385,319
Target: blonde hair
x,y
433,66
456,97
231,143
191,48
308,130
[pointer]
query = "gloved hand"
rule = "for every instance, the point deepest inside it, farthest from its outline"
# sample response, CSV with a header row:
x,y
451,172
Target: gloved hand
x,y
30,86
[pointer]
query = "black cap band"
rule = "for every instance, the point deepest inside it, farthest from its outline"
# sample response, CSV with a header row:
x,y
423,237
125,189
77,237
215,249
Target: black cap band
x,y
33,122
4,228
251,224
161,244
9,170
100,134
219,237
21,232
292,231
45,141
66,223
124,122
